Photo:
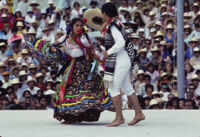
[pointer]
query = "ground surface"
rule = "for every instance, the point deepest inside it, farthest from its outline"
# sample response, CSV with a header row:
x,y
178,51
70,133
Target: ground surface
x,y
162,123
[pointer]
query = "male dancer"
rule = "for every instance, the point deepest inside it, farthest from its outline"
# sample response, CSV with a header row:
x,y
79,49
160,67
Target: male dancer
x,y
118,66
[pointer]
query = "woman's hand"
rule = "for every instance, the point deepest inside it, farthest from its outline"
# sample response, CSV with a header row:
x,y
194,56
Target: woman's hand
x,y
105,54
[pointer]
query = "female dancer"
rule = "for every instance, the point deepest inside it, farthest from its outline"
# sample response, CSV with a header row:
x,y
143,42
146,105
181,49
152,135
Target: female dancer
x,y
81,95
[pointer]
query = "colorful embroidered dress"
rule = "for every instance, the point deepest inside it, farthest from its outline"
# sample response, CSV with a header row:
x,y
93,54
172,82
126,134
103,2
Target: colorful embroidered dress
x,y
81,95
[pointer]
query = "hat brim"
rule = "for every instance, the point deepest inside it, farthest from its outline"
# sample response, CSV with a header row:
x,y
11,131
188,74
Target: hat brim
x,y
93,18
34,4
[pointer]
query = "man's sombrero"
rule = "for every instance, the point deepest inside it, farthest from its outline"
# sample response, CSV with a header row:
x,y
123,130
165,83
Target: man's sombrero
x,y
93,18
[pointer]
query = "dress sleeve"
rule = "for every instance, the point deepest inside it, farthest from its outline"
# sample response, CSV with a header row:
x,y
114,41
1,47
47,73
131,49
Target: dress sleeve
x,y
119,41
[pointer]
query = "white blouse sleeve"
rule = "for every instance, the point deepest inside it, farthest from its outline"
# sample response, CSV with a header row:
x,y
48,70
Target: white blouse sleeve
x,y
62,38
118,39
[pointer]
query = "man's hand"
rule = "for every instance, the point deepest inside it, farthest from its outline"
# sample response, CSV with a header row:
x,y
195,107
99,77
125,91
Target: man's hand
x,y
105,54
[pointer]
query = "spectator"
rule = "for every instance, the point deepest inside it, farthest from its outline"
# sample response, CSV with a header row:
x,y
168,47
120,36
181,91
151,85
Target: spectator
x,y
40,81
22,79
51,8
36,11
23,7
31,85
76,12
17,88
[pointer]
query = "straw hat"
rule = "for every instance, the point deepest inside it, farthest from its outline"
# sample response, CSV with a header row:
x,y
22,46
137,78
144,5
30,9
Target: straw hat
x,y
158,23
159,34
39,75
187,27
19,24
160,100
50,2
157,40
152,13
193,40
163,74
15,81
157,93
138,2
195,4
187,15
6,85
168,20
124,9
144,9
32,66
43,11
2,44
152,1
45,29
141,30
140,72
164,14
162,6
93,18
163,42
153,102
51,21
5,73
30,79
34,3
30,11
162,1
169,26
144,50
11,60
194,76
24,51
154,49
58,9
196,49
50,92
2,64
31,31
4,7
152,30
59,31
134,35
136,11
22,73
24,64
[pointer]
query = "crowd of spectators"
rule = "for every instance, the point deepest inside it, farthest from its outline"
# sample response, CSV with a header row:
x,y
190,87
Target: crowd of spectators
x,y
26,83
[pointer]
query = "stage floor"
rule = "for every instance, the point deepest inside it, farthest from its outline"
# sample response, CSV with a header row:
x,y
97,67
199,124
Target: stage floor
x,y
158,123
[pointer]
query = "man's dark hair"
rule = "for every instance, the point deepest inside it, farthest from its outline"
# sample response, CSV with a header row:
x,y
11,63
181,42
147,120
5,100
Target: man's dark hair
x,y
109,9
149,86
93,3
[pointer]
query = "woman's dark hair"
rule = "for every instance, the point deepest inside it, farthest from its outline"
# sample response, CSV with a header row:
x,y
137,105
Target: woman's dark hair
x,y
70,28
76,3
149,86
186,8
151,65
75,20
26,91
141,22
14,30
109,9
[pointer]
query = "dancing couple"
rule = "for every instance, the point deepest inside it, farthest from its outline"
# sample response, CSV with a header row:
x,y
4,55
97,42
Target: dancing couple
x,y
83,94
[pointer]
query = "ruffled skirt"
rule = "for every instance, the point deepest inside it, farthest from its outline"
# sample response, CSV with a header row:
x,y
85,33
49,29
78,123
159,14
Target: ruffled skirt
x,y
83,99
